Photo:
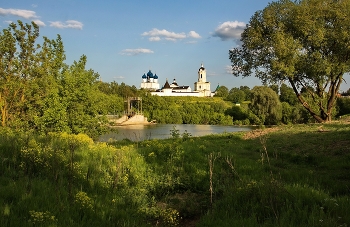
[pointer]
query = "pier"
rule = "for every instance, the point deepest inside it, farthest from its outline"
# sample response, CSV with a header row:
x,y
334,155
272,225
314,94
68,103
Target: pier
x,y
132,115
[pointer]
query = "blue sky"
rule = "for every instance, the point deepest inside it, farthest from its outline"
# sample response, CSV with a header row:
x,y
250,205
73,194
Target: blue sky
x,y
124,39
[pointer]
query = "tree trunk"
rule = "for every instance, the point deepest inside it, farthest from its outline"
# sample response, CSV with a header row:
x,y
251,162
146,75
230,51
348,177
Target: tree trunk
x,y
333,91
318,118
3,112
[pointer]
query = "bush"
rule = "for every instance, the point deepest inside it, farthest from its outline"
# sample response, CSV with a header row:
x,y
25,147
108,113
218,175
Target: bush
x,y
343,106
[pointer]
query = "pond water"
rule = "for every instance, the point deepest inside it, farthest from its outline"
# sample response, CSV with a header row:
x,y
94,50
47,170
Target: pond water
x,y
163,131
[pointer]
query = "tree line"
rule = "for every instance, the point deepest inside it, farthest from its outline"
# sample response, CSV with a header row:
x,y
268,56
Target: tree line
x,y
274,104
42,93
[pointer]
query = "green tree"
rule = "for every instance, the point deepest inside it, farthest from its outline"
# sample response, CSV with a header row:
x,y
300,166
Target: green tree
x,y
344,106
38,91
287,113
305,42
222,91
287,95
275,88
266,105
17,55
190,113
236,95
44,108
237,113
247,92
126,91
81,97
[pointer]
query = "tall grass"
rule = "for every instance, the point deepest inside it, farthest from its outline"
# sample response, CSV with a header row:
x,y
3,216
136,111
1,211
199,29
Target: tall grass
x,y
291,176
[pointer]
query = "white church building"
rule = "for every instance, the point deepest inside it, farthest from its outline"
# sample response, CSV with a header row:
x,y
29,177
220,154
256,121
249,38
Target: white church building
x,y
150,81
201,87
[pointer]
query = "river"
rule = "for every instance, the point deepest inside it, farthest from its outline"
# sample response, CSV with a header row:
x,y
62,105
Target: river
x,y
162,131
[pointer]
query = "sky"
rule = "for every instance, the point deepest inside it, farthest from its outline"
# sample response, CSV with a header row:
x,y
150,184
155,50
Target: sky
x,y
123,39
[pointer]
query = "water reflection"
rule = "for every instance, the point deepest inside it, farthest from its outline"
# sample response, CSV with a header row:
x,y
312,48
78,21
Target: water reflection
x,y
162,131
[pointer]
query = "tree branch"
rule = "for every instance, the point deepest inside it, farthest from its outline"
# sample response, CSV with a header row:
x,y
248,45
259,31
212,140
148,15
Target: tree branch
x,y
303,102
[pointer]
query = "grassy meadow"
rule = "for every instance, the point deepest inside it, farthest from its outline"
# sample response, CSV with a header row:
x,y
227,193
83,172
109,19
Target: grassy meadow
x,y
295,175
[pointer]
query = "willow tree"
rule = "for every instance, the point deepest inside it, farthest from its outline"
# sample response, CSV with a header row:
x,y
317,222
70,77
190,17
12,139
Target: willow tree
x,y
306,43
266,105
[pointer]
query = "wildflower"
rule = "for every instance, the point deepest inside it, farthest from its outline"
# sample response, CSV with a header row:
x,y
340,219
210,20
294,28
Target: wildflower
x,y
37,217
83,200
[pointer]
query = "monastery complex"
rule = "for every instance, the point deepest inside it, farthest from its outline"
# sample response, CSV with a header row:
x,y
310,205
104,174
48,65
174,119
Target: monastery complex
x,y
201,87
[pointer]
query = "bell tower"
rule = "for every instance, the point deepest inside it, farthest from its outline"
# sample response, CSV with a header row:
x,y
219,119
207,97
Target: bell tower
x,y
202,85
202,74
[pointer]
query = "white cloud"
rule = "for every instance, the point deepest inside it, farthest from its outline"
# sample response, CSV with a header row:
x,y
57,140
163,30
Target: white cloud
x,y
27,14
68,24
194,34
230,30
136,51
39,22
156,35
154,39
171,39
192,42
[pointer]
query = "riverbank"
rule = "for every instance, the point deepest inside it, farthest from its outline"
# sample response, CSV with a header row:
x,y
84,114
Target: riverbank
x,y
293,175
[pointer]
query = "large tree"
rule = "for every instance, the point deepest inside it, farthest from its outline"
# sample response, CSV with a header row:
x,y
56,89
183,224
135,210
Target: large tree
x,y
306,43
17,62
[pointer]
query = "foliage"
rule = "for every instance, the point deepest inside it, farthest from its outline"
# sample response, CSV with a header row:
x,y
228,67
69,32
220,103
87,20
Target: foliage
x,y
275,88
266,105
186,110
175,134
287,95
236,95
293,114
80,94
247,91
88,182
239,114
38,91
303,42
38,218
113,88
18,63
344,106
293,176
222,91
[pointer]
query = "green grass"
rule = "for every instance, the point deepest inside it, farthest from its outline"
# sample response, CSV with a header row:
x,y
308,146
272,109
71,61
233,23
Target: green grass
x,y
296,175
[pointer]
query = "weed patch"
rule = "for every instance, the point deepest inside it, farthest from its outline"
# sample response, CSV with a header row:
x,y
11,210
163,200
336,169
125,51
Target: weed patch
x,y
285,176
